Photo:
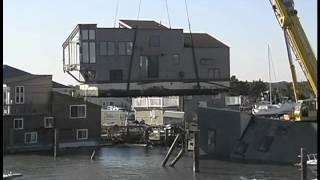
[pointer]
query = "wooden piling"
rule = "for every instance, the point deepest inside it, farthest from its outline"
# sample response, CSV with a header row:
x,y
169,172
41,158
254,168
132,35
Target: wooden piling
x,y
170,150
196,152
303,163
175,160
56,143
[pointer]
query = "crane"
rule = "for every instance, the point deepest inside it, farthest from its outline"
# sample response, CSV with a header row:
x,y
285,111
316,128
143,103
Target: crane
x,y
296,38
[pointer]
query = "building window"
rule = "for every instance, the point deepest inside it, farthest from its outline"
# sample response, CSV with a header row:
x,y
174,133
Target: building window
x,y
103,48
92,34
154,41
30,137
78,111
84,34
206,61
150,65
48,122
18,123
214,73
115,75
92,52
85,52
110,48
82,134
19,95
211,139
176,59
125,48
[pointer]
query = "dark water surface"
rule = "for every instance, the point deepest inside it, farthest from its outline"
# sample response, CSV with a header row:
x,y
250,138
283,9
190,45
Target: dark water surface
x,y
123,162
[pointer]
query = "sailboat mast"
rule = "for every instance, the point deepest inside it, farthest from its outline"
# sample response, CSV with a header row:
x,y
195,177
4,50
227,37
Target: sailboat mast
x,y
270,94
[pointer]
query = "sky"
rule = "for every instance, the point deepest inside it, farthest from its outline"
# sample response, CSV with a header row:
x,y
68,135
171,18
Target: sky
x,y
34,31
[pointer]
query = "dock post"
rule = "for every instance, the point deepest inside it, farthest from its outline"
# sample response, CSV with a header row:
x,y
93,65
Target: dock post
x,y
196,152
55,148
303,163
170,151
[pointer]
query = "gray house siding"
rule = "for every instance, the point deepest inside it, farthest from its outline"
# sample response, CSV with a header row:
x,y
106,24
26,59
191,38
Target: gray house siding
x,y
67,126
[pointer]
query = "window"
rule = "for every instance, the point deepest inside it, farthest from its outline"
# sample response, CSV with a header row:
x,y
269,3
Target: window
x,y
153,67
30,137
111,48
48,122
92,52
19,95
18,123
82,134
92,34
176,59
129,48
103,48
115,75
84,34
125,48
154,41
78,111
85,52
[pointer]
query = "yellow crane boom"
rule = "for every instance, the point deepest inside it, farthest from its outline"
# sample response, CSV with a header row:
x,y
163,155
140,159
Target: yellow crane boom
x,y
289,21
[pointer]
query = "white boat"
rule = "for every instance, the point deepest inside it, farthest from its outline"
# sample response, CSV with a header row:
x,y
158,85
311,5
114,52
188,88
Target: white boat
x,y
11,175
273,109
312,163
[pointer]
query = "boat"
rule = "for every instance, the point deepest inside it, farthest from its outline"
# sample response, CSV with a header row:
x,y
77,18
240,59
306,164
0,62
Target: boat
x,y
273,109
312,163
11,175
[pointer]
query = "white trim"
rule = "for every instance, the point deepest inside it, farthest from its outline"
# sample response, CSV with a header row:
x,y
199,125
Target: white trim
x,y
45,124
125,25
85,111
15,119
15,95
85,138
31,133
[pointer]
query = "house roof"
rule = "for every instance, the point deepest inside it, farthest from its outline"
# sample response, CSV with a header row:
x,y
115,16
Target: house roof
x,y
58,85
202,40
142,24
10,72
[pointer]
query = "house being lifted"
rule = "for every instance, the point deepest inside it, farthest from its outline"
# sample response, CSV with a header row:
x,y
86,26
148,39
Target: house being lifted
x,y
145,58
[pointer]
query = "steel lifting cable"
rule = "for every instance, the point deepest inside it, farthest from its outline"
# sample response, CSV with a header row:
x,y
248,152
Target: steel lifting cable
x,y
192,47
133,48
116,15
168,14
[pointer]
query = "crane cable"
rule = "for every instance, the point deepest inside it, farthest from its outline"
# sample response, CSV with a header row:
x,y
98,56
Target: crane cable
x,y
192,47
168,14
116,15
133,47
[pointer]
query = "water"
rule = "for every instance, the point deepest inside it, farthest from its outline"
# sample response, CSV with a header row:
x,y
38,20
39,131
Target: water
x,y
122,163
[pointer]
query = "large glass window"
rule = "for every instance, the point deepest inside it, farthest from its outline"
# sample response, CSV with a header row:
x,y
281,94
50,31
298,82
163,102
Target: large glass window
x,y
92,52
78,111
125,48
92,34
84,34
122,48
103,48
19,95
85,52
111,48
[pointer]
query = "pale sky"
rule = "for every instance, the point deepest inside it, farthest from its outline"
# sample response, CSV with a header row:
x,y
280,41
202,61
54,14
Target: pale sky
x,y
34,30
